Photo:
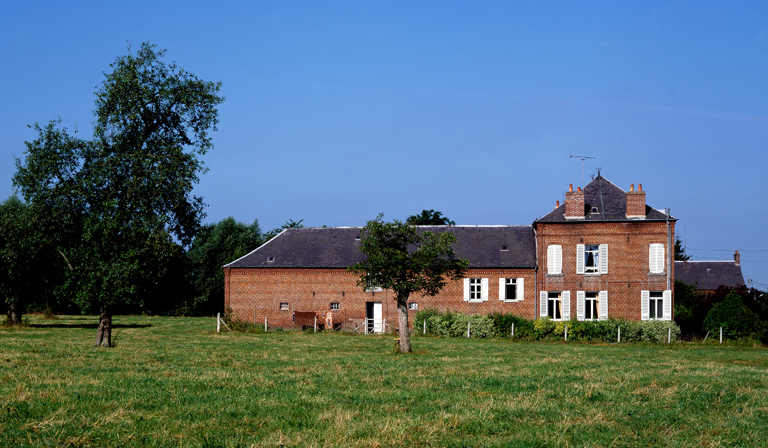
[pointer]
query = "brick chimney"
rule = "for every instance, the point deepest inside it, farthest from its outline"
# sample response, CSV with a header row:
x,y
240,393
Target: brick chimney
x,y
574,203
636,202
737,258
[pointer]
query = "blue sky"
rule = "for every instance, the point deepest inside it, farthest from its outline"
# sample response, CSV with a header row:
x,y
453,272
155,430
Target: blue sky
x,y
337,111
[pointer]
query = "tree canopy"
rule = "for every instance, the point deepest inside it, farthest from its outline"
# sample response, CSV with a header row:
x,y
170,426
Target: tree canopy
x,y
406,261
120,202
430,218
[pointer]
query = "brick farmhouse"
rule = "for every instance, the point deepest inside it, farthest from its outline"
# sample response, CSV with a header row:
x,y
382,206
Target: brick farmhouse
x,y
602,253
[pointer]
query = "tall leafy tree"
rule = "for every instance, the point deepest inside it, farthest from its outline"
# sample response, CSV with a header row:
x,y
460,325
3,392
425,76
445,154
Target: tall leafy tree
x,y
430,218
125,197
214,246
407,261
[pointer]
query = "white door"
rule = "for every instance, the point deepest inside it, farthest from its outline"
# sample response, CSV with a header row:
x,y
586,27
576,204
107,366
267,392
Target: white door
x,y
378,318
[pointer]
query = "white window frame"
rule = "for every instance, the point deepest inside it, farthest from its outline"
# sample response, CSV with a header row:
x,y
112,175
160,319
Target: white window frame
x,y
335,306
478,286
519,289
413,306
656,258
601,254
285,306
646,301
582,302
565,304
554,259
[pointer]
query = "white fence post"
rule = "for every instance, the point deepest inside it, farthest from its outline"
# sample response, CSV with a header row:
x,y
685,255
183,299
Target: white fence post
x,y
619,327
218,322
265,324
721,335
513,330
425,326
315,323
566,332
669,335
467,328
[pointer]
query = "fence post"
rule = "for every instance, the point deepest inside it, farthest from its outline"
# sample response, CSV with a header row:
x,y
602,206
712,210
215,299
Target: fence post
x,y
265,324
669,335
566,332
467,329
721,335
513,330
218,322
619,327
315,323
425,326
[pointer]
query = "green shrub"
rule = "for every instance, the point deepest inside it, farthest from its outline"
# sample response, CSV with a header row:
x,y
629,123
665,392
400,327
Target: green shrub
x,y
737,320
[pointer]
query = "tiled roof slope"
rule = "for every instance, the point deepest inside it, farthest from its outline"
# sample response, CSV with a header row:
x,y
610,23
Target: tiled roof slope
x,y
610,201
337,247
709,274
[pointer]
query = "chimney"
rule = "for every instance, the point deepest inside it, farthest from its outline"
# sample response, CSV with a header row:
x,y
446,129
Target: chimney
x,y
636,202
557,203
574,203
737,258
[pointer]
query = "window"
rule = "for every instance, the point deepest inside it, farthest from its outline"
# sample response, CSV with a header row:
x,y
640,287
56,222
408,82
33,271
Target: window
x,y
283,306
592,259
335,306
555,304
591,305
656,305
373,285
475,289
511,289
413,306
656,258
554,259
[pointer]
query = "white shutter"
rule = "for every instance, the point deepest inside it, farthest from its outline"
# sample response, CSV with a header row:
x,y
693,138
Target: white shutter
x,y
558,259
656,258
660,258
466,289
645,297
580,305
483,289
502,289
579,258
519,289
603,296
551,259
652,258
566,305
667,305
543,304
603,258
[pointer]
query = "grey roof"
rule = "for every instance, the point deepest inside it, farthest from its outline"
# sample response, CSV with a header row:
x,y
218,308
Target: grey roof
x,y
337,247
709,274
610,201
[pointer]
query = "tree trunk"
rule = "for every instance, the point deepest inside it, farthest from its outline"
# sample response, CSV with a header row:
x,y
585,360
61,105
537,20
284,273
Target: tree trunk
x,y
14,313
104,333
404,330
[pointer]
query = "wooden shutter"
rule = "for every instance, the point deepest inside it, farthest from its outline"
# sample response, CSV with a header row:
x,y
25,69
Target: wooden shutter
x,y
645,296
502,289
603,258
543,304
660,257
656,258
580,305
466,289
551,259
579,258
483,289
519,288
566,305
603,297
667,305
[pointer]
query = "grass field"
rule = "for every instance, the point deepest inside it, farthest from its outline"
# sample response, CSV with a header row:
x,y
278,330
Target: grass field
x,y
175,382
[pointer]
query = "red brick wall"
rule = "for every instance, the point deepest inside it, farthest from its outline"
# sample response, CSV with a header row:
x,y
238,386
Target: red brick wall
x,y
628,264
253,293
636,203
574,203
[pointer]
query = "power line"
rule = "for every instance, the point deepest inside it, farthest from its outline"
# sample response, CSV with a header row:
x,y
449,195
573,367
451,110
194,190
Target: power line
x,y
731,250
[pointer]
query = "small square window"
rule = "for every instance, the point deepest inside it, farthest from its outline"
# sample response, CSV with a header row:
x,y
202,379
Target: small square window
x,y
335,306
413,306
270,259
283,306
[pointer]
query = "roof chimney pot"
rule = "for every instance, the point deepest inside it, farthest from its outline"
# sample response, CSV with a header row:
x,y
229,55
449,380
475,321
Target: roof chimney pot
x,y
631,187
639,187
570,187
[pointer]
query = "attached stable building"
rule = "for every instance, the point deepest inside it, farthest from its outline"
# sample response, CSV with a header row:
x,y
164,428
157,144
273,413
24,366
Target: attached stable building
x,y
602,253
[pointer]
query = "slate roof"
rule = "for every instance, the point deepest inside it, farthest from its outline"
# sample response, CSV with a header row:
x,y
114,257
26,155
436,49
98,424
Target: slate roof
x,y
611,204
709,274
337,247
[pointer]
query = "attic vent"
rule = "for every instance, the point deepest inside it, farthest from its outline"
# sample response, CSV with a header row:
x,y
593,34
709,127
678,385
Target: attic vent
x,y
594,209
270,259
504,247
357,237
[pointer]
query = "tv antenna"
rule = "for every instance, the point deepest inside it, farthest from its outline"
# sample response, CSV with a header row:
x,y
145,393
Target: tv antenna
x,y
583,158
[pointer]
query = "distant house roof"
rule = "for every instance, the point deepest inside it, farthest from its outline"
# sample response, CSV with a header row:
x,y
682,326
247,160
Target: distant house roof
x,y
609,201
709,274
338,247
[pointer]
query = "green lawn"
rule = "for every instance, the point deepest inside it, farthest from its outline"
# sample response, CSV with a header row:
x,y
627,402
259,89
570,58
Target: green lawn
x,y
175,382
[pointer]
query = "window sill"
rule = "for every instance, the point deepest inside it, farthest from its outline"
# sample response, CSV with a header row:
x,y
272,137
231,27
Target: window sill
x,y
657,274
512,301
553,275
592,274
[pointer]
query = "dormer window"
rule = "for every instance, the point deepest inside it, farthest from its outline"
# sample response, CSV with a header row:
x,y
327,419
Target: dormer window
x,y
504,248
594,210
270,259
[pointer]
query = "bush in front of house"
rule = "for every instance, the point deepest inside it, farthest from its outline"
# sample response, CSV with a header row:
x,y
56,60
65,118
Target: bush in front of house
x,y
736,319
453,325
